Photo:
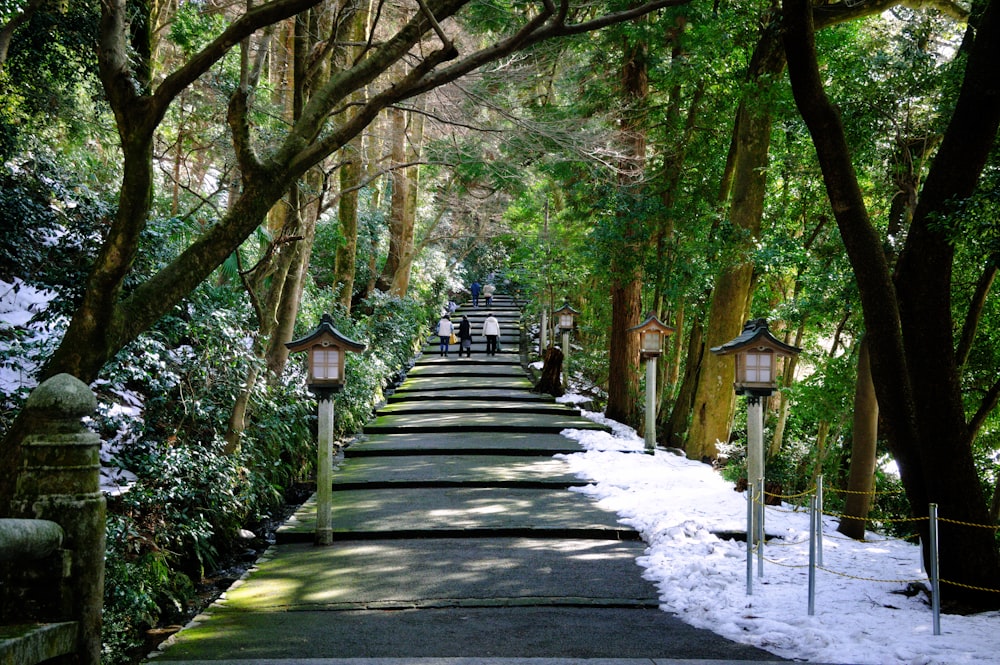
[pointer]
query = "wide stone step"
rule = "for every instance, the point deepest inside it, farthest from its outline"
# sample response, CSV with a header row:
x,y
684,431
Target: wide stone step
x,y
473,405
494,421
461,443
457,512
442,574
482,470
417,383
465,393
465,367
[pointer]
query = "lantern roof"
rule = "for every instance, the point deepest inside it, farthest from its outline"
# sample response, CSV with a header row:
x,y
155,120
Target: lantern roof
x,y
566,309
756,336
325,332
652,324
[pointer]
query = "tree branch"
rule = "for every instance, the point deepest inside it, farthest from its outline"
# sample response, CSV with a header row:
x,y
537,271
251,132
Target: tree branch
x,y
986,407
975,311
254,19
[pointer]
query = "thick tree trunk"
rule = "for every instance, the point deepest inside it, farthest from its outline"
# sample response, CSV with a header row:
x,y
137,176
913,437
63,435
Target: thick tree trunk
x,y
626,262
623,356
714,400
861,475
550,381
909,323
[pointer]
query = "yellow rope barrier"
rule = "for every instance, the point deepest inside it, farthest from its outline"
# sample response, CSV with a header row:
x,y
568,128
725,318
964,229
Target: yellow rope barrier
x,y
880,519
867,579
791,496
994,527
871,493
968,586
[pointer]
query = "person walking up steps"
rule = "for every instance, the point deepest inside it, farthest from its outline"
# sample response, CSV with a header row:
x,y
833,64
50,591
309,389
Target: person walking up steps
x,y
475,293
488,294
445,329
465,337
491,329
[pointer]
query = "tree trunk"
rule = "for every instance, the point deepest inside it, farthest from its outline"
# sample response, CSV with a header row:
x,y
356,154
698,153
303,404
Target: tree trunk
x,y
714,400
861,476
345,263
401,279
550,381
787,376
399,225
626,261
909,320
676,427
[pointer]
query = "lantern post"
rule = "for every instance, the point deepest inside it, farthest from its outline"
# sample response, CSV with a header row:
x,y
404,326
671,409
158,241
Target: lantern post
x,y
651,334
327,349
756,351
565,316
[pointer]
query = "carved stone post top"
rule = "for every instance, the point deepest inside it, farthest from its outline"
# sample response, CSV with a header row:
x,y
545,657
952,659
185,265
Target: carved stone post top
x,y
62,395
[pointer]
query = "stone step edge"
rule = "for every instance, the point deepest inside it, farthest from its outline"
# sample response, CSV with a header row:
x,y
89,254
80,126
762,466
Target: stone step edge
x,y
297,535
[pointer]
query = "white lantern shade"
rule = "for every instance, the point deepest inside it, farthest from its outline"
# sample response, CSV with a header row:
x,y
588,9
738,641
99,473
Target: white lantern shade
x,y
651,342
755,368
326,363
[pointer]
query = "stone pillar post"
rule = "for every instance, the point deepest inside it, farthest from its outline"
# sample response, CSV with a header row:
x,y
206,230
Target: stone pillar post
x,y
60,481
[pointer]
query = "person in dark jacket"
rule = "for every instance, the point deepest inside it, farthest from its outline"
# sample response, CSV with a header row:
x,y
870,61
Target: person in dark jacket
x,y
465,337
475,288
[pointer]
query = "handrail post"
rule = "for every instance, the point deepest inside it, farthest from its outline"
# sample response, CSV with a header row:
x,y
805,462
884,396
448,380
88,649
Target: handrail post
x,y
750,533
812,554
60,481
819,520
935,572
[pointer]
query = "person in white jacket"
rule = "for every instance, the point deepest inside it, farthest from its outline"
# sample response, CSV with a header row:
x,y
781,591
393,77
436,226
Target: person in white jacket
x,y
491,330
444,330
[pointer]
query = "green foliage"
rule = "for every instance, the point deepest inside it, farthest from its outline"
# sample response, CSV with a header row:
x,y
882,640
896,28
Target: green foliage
x,y
49,90
194,25
52,228
137,581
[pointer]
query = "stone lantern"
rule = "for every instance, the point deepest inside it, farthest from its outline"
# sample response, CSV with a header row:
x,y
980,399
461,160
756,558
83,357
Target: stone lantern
x,y
327,349
651,334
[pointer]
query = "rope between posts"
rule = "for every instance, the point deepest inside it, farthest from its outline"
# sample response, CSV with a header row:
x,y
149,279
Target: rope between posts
x,y
883,539
771,543
786,565
866,579
968,586
870,493
809,491
994,527
880,519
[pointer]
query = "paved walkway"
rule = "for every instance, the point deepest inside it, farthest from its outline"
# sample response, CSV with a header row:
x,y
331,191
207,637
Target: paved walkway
x,y
457,541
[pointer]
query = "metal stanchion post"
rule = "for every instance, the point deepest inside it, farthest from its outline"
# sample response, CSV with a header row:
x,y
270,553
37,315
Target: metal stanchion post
x,y
760,528
935,571
750,532
819,520
812,555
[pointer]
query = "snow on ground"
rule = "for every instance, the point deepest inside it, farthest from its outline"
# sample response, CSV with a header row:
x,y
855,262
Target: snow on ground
x,y
678,504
